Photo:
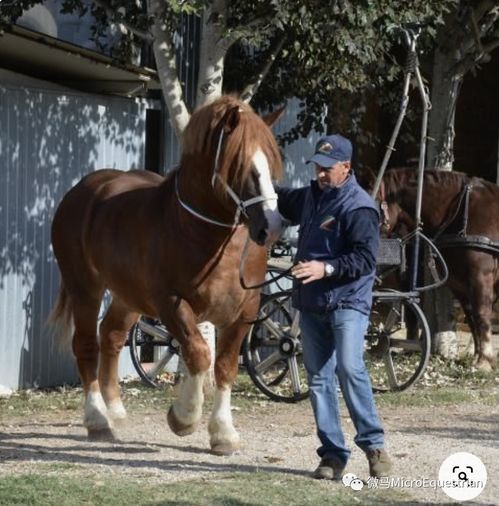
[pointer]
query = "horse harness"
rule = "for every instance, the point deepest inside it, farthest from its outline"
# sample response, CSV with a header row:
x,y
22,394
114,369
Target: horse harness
x,y
443,240
462,238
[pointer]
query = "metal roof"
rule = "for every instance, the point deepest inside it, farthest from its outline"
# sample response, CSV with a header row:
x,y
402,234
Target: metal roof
x,y
44,57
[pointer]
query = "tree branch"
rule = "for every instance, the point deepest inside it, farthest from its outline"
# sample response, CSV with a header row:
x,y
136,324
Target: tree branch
x,y
482,8
274,50
123,25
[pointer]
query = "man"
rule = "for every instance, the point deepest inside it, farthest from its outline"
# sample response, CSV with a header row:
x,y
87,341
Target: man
x,y
334,276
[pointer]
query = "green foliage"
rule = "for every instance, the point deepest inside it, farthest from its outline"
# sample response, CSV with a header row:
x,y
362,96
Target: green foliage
x,y
338,49
336,54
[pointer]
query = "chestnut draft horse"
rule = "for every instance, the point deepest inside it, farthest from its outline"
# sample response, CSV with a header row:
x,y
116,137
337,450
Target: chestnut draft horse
x,y
461,215
171,248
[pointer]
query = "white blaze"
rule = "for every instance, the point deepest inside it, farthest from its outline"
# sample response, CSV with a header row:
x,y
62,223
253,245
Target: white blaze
x,y
268,193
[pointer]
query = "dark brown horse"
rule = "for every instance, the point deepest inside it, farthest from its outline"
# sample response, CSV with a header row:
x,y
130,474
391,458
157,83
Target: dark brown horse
x,y
171,248
461,214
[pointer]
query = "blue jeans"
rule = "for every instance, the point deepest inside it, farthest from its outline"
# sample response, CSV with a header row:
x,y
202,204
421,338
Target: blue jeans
x,y
333,345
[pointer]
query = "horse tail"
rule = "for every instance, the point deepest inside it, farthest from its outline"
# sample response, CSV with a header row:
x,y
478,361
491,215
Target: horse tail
x,y
60,319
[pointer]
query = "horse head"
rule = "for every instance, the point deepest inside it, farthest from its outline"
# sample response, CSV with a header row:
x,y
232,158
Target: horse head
x,y
396,217
240,157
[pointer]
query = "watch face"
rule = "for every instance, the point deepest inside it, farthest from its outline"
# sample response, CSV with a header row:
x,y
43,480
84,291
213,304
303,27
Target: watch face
x,y
328,269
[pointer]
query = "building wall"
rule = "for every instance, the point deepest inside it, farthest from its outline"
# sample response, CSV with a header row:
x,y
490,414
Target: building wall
x,y
49,138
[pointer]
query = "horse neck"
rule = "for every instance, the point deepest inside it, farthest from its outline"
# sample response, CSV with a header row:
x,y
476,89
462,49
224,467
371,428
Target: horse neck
x,y
196,189
438,201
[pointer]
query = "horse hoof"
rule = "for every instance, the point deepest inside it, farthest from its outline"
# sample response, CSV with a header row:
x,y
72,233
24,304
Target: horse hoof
x,y
224,449
101,435
116,412
177,427
484,365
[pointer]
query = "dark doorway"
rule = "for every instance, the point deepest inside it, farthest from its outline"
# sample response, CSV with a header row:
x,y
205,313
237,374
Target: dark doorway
x,y
154,141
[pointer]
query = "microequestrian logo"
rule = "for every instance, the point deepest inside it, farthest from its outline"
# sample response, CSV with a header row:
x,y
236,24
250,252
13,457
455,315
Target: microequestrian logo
x,y
350,480
462,476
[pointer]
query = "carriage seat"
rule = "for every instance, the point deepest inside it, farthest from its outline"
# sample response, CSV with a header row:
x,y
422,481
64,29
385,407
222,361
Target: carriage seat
x,y
391,253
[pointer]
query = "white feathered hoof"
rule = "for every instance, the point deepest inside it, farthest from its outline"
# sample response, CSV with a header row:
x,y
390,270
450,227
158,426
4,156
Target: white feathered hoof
x,y
177,427
224,439
225,448
116,412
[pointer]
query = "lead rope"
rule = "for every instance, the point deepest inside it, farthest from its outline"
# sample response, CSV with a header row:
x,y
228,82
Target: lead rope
x,y
242,265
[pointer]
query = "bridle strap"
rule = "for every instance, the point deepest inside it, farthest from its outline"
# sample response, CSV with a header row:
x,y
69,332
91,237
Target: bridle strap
x,y
464,197
198,214
241,205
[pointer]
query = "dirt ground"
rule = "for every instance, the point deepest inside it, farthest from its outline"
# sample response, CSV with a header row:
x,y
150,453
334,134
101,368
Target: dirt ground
x,y
276,437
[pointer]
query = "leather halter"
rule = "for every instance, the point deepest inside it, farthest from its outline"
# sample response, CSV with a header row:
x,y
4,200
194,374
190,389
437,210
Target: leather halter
x,y
241,205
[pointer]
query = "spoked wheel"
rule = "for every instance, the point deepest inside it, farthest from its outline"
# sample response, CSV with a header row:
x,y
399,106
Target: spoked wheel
x,y
273,351
397,343
152,348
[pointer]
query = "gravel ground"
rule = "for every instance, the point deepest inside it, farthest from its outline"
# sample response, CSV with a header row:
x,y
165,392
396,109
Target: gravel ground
x,y
276,437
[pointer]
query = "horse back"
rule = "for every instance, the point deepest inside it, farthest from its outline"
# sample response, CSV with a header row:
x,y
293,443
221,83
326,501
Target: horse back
x,y
484,209
99,227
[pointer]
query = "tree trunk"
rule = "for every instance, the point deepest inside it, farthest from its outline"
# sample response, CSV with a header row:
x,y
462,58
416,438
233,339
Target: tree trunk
x,y
164,54
439,304
213,48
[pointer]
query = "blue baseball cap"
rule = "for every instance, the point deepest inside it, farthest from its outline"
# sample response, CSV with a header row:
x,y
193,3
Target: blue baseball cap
x,y
331,149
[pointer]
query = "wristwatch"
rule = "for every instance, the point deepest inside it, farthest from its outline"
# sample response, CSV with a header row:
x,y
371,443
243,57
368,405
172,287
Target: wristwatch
x,y
328,270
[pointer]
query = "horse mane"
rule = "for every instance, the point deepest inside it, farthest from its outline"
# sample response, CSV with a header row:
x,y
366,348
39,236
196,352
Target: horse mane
x,y
402,177
249,132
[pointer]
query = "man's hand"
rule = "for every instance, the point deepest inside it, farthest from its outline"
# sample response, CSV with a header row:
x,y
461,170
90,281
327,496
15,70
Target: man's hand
x,y
308,271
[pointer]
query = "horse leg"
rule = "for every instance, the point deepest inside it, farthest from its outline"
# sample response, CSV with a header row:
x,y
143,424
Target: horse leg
x,y
224,438
185,412
86,350
468,318
482,299
113,333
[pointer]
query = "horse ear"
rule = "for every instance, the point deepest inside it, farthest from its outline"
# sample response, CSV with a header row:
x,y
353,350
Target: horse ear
x,y
274,117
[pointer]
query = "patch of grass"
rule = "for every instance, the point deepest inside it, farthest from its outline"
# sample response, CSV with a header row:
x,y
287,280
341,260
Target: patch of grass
x,y
437,396
459,373
26,402
234,489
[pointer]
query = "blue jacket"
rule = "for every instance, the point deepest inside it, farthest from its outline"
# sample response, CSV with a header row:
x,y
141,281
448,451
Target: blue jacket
x,y
339,226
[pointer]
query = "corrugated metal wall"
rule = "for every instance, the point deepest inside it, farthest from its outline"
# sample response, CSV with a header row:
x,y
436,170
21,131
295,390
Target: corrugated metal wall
x,y
48,140
296,172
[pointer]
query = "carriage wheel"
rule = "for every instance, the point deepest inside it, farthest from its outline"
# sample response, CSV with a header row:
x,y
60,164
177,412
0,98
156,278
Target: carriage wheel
x,y
273,355
152,348
397,344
